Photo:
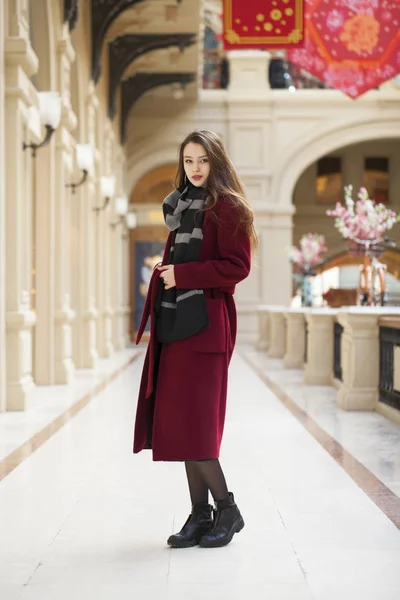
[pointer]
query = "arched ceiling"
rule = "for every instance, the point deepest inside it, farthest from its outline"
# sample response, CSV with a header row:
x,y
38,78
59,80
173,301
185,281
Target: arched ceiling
x,y
151,44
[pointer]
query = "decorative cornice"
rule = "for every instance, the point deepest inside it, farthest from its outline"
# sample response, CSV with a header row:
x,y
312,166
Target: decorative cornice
x,y
71,13
104,13
127,48
134,87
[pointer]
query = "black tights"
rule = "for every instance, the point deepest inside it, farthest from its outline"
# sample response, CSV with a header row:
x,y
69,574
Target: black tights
x,y
204,476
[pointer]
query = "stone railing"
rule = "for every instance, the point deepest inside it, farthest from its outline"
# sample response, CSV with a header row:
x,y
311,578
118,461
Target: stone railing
x,y
357,349
389,362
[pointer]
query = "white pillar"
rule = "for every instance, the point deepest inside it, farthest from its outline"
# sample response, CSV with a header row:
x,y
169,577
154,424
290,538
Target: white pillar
x,y
64,368
320,342
2,220
275,225
295,338
127,278
249,131
85,353
21,63
103,233
277,333
117,261
83,273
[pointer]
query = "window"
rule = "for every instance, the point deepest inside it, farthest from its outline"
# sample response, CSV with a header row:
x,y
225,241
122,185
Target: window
x,y
376,178
329,180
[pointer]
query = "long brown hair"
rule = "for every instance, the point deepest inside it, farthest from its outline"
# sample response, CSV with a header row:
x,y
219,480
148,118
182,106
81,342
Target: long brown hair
x,y
223,179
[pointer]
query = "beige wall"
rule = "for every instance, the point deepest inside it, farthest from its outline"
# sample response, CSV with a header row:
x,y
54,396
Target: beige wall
x,y
2,217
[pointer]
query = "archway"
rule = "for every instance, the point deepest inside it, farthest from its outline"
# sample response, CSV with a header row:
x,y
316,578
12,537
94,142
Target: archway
x,y
147,241
296,157
373,163
154,185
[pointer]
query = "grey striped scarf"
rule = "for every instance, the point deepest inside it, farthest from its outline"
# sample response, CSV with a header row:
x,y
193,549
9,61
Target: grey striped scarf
x,y
182,313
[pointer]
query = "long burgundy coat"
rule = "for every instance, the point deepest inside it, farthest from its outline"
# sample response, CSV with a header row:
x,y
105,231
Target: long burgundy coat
x,y
182,398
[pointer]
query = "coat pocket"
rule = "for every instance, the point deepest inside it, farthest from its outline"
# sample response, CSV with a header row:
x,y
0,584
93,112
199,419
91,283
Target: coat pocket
x,y
214,338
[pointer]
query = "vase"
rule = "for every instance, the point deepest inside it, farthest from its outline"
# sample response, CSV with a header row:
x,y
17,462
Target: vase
x,y
305,280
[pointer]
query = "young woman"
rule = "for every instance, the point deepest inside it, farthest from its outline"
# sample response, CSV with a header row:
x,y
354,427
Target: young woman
x,y
182,398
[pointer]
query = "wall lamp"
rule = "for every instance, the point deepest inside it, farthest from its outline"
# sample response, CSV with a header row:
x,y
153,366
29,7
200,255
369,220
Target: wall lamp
x,y
50,117
130,223
126,218
121,210
107,188
85,162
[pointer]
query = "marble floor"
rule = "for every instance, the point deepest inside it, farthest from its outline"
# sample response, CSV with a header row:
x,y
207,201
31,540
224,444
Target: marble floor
x,y
83,518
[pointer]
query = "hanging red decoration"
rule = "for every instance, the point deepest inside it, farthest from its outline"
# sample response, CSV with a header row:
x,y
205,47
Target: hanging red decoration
x,y
352,45
260,24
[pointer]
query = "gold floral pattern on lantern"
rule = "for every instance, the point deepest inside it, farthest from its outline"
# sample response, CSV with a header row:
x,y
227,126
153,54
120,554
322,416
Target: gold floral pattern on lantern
x,y
295,36
232,36
360,34
276,14
261,24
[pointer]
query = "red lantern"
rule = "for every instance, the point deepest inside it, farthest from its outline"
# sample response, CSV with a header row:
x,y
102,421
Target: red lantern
x,y
260,24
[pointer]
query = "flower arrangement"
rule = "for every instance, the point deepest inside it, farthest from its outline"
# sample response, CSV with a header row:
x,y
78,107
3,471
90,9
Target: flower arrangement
x,y
363,219
312,245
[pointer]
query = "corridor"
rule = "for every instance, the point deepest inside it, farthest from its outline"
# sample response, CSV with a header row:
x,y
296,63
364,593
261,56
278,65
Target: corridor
x,y
83,518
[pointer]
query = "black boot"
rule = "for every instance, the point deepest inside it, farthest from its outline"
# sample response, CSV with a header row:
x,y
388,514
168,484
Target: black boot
x,y
227,522
198,524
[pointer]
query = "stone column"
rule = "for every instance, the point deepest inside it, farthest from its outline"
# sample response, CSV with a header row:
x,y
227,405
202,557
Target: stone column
x,y
63,365
247,132
274,226
295,338
103,233
250,127
263,327
2,219
84,326
117,244
277,333
360,357
126,292
320,341
20,64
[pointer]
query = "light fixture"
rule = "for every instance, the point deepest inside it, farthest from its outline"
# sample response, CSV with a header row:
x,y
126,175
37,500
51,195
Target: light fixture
x,y
85,162
131,220
130,224
121,209
178,91
50,117
107,188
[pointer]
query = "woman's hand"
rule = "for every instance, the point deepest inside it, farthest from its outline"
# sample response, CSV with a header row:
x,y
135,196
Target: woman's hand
x,y
167,274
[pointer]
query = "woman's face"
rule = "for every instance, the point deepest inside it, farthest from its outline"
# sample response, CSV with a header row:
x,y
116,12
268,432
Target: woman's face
x,y
196,164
